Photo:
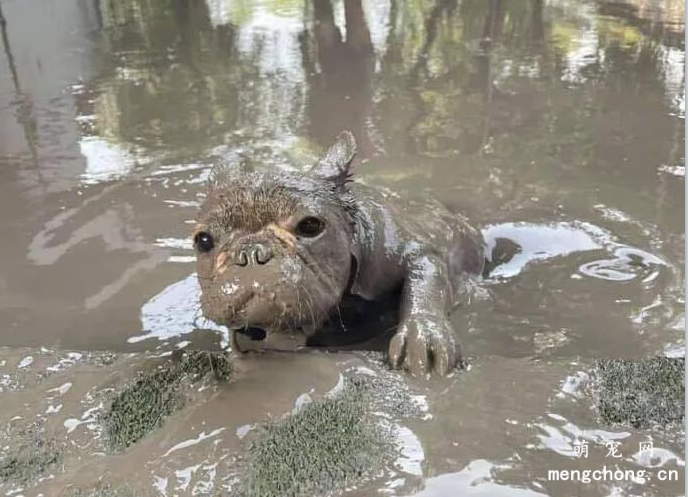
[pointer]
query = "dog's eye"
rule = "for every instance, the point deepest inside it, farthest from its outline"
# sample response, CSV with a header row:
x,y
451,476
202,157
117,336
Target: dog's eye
x,y
204,241
309,227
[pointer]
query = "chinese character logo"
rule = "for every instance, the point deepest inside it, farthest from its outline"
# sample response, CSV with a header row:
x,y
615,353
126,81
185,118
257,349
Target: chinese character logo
x,y
580,448
612,448
646,447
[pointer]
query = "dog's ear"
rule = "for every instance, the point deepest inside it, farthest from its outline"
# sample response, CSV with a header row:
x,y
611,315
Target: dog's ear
x,y
335,164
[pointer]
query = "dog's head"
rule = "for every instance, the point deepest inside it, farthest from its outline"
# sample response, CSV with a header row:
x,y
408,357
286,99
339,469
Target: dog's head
x,y
274,249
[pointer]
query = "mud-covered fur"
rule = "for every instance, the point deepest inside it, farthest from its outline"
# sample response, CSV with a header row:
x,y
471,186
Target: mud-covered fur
x,y
282,252
306,277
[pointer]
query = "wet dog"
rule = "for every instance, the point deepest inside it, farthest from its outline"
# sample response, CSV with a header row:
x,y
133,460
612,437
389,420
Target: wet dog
x,y
279,255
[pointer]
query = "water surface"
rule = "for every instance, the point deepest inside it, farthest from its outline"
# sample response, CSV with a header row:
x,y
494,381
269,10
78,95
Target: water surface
x,y
558,124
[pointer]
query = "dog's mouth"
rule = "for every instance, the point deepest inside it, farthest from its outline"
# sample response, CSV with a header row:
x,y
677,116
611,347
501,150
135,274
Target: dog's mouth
x,y
254,338
254,333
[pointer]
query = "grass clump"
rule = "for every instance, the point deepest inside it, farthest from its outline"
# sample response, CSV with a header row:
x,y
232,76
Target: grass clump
x,y
144,405
641,393
322,448
31,455
105,491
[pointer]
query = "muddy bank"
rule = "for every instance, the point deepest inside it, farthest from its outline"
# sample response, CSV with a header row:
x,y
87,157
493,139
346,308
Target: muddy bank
x,y
358,425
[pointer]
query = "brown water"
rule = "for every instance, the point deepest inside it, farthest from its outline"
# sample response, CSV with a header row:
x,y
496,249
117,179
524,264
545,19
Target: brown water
x,y
558,123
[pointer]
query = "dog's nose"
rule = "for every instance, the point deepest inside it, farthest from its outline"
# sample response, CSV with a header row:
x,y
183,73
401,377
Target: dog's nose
x,y
261,253
256,253
241,257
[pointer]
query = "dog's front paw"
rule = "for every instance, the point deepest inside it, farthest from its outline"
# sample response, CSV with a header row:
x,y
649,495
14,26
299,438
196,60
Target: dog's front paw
x,y
424,343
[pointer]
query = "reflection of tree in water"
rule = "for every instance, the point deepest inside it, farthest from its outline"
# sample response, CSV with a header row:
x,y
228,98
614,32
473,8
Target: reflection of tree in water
x,y
176,81
663,20
166,76
494,73
24,113
477,77
340,73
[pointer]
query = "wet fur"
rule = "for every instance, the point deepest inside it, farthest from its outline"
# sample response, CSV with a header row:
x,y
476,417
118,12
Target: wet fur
x,y
245,202
373,246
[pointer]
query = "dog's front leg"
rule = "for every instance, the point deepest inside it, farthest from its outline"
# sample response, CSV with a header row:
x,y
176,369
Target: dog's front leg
x,y
425,340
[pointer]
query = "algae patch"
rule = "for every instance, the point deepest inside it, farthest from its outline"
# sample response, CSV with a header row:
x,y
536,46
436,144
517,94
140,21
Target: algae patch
x,y
30,456
106,491
641,393
324,447
144,405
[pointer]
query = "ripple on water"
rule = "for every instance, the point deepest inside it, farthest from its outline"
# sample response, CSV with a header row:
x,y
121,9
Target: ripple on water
x,y
625,264
541,242
477,478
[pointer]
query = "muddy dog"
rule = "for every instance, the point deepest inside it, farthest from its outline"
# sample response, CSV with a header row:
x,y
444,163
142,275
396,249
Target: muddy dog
x,y
280,255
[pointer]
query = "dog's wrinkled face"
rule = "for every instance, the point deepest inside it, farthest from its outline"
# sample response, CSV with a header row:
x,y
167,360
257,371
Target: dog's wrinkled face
x,y
274,249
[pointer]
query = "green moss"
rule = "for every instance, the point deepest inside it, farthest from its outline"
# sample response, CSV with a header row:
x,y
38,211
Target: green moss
x,y
324,447
30,456
144,405
641,393
105,491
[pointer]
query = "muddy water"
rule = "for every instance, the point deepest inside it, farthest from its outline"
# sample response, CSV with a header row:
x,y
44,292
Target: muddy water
x,y
557,124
